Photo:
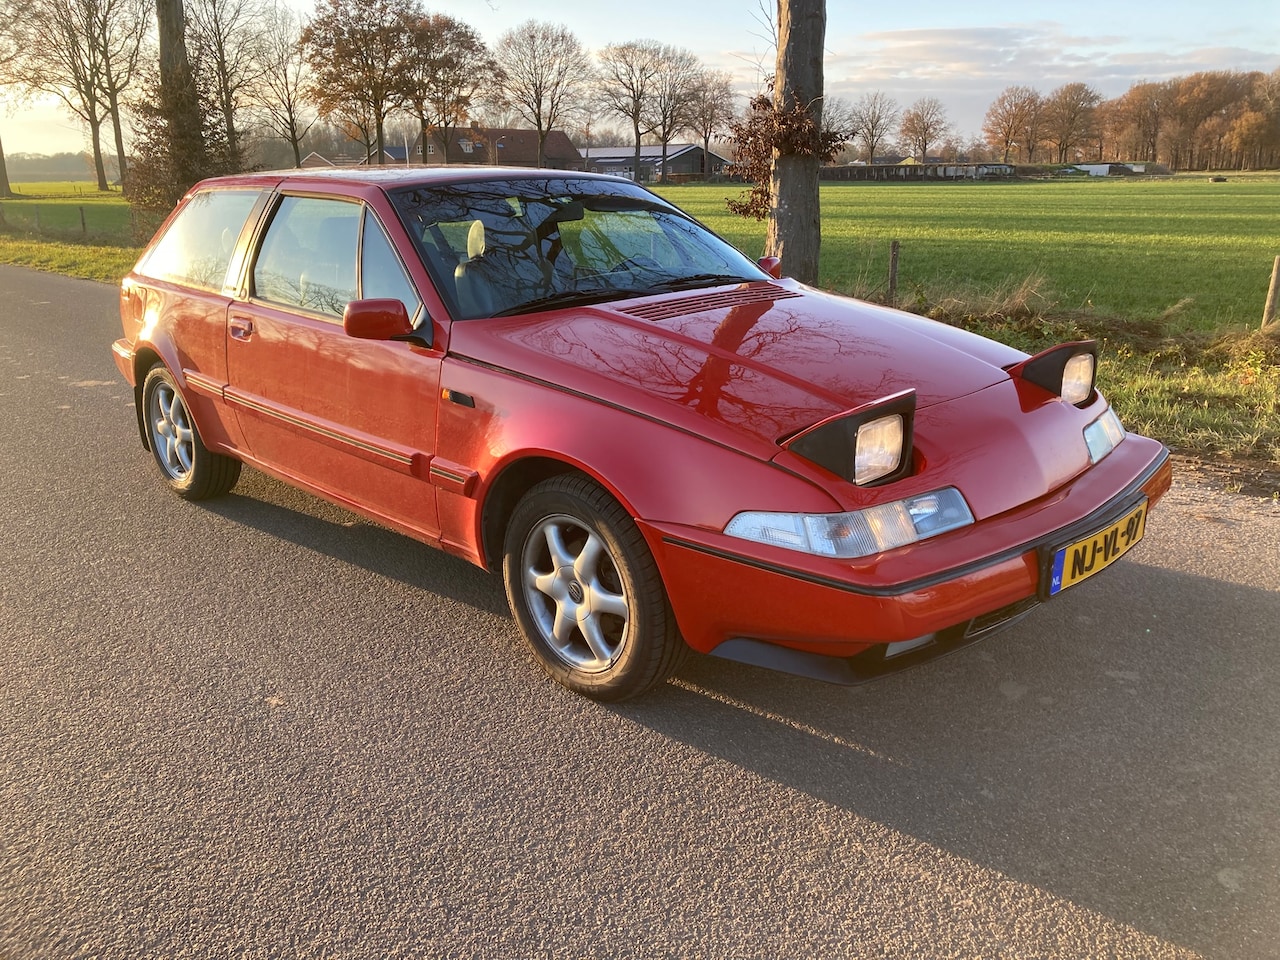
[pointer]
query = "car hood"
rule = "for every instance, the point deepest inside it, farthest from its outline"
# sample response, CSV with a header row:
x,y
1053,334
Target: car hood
x,y
747,365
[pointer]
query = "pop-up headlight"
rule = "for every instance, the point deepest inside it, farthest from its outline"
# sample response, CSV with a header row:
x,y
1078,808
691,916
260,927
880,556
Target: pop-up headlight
x,y
1067,370
867,445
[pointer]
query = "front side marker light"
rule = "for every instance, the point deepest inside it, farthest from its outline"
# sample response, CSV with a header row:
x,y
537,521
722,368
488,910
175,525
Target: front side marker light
x,y
1103,435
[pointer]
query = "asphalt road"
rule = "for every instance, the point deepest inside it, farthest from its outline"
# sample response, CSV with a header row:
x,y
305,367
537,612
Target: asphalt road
x,y
264,728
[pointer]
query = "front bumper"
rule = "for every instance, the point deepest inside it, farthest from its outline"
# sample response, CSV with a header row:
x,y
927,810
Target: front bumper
x,y
750,602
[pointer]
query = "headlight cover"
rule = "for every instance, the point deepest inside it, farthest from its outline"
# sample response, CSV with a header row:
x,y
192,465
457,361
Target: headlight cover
x,y
1069,370
861,533
1103,435
868,445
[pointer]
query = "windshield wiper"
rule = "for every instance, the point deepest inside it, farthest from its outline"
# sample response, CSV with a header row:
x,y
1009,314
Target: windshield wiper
x,y
702,280
565,298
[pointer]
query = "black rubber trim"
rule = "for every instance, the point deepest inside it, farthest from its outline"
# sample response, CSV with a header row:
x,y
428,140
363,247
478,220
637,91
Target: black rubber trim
x,y
873,663
1129,497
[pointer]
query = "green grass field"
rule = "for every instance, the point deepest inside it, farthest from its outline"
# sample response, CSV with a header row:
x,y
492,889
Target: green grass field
x,y
1193,254
69,228
1169,275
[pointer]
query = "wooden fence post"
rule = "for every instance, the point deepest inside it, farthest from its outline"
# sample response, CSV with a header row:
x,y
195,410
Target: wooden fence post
x,y
84,231
893,273
1269,311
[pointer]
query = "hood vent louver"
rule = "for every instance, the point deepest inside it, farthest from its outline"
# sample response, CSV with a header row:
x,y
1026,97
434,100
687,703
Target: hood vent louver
x,y
666,309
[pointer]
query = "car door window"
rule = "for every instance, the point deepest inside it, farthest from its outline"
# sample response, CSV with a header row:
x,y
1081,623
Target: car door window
x,y
381,273
197,247
308,256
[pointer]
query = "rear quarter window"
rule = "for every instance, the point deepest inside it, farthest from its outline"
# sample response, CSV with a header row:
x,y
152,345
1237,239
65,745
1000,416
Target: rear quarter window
x,y
196,248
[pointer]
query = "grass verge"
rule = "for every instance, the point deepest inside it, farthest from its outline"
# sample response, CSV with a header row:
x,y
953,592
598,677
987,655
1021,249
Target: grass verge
x,y
1209,395
1031,265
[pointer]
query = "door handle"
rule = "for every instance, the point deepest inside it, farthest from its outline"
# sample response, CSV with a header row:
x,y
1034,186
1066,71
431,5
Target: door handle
x,y
240,328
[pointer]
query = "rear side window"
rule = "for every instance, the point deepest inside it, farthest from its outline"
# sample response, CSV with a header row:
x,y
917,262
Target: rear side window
x,y
196,249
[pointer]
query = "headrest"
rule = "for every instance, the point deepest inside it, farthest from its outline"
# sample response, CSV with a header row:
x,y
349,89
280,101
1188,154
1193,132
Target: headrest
x,y
475,239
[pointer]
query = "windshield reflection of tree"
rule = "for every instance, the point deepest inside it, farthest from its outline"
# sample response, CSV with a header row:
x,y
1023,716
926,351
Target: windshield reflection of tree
x,y
554,237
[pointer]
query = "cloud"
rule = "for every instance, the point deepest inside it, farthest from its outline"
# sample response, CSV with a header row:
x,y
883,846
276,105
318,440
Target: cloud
x,y
967,68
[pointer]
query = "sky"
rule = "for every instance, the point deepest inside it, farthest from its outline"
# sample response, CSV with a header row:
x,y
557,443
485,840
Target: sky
x,y
962,53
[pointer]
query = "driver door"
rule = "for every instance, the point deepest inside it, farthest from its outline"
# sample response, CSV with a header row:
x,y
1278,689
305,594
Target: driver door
x,y
352,419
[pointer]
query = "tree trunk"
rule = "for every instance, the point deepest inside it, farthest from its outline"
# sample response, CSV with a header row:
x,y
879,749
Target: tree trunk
x,y
180,104
99,168
635,169
795,225
117,129
5,189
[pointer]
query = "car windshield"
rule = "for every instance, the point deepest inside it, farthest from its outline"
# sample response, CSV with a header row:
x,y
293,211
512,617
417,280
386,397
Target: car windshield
x,y
508,246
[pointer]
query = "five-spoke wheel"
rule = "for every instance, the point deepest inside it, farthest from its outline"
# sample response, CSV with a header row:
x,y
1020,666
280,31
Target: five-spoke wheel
x,y
187,465
586,592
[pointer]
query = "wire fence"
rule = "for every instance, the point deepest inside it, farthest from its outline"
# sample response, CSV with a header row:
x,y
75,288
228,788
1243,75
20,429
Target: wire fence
x,y
114,224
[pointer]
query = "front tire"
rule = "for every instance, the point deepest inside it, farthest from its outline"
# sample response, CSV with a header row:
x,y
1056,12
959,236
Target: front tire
x,y
190,470
586,592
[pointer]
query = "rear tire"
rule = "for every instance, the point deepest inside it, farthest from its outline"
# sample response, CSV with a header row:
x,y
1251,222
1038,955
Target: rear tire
x,y
190,470
586,592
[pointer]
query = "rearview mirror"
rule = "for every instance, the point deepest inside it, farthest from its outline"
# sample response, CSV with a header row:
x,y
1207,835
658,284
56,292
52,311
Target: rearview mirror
x,y
772,266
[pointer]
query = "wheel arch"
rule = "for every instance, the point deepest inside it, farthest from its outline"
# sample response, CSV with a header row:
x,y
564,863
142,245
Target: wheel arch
x,y
144,359
513,481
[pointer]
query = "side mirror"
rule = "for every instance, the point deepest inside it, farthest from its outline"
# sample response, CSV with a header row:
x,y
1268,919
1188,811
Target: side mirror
x,y
376,320
772,266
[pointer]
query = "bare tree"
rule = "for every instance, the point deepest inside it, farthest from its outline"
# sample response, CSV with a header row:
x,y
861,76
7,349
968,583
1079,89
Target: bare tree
x,y
121,29
545,72
1008,117
84,52
357,53
923,123
675,92
279,92
628,76
231,39
838,119
875,115
16,12
449,66
1069,117
713,108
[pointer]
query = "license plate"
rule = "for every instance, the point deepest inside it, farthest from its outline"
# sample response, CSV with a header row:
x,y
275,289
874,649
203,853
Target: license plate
x,y
1082,559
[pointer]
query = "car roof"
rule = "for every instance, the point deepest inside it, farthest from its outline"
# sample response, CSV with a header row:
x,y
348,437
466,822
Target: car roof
x,y
389,177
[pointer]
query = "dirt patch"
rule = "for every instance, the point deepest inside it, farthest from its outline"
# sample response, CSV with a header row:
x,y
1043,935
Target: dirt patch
x,y
1252,478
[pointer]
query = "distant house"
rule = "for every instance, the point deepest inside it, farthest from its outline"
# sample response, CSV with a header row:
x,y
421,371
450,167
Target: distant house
x,y
390,155
683,160
501,146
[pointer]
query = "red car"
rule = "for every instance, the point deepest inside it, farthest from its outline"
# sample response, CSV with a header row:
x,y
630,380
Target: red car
x,y
661,444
